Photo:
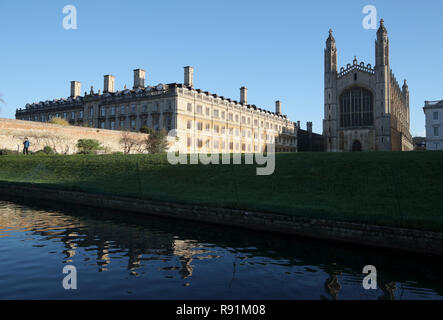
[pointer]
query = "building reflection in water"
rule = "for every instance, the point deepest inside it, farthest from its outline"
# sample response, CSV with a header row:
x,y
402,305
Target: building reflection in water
x,y
176,246
76,233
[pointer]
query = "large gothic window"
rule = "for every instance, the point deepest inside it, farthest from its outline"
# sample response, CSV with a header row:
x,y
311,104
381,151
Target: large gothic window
x,y
356,108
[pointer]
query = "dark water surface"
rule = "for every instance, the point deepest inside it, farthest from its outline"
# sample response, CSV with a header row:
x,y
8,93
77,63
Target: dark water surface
x,y
119,255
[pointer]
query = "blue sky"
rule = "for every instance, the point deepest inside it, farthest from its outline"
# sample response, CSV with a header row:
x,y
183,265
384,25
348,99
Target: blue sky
x,y
274,48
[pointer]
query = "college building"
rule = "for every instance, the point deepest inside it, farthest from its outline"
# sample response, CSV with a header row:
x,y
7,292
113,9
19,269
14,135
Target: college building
x,y
434,122
203,122
365,109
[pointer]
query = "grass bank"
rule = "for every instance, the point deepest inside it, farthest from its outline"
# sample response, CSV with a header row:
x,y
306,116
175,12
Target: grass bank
x,y
392,189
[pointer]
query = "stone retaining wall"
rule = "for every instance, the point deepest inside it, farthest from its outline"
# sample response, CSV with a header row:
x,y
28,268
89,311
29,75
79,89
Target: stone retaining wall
x,y
63,139
357,233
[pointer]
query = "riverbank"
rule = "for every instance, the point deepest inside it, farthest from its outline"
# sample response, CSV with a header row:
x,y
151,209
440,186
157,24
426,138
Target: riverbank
x,y
357,233
386,190
389,189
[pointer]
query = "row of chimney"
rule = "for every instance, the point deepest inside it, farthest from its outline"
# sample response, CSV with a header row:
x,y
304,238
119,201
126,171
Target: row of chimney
x,y
139,82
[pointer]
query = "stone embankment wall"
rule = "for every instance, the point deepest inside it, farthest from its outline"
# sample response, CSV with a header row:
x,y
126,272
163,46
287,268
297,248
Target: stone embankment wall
x,y
62,139
357,233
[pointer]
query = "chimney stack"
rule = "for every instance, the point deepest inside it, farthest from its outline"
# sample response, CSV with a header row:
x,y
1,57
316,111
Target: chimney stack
x,y
278,107
309,127
189,77
139,78
244,95
76,87
109,84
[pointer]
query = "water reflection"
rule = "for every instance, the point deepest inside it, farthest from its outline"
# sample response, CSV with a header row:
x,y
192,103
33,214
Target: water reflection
x,y
121,255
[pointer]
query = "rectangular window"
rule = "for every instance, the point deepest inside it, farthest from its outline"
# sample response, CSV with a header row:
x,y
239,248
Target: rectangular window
x,y
208,127
223,115
189,124
215,113
436,131
133,108
72,115
81,115
189,141
189,108
200,109
208,111
435,115
113,111
199,126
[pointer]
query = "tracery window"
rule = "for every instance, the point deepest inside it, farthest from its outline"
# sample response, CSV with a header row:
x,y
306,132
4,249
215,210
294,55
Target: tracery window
x,y
356,108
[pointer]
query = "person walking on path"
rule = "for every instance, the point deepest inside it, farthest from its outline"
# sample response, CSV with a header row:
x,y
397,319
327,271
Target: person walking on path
x,y
26,145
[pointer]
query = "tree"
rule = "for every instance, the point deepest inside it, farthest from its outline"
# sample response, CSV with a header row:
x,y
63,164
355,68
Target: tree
x,y
88,146
157,142
130,142
59,121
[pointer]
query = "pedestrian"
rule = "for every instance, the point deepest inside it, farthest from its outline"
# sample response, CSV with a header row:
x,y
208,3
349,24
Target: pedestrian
x,y
26,145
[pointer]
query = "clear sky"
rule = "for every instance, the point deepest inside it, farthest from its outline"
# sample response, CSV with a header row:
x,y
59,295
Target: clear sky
x,y
274,48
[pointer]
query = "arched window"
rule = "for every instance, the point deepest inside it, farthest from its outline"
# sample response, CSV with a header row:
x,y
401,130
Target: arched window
x,y
356,108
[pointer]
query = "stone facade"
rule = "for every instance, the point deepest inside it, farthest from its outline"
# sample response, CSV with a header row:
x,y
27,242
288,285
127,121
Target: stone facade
x,y
365,109
434,123
202,121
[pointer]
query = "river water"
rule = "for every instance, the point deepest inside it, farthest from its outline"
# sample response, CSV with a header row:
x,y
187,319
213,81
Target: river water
x,y
118,255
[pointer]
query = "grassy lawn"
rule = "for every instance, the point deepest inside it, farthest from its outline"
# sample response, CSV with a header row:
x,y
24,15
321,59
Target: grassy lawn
x,y
394,189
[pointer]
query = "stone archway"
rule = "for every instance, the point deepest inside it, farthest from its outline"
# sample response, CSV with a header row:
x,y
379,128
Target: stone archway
x,y
356,146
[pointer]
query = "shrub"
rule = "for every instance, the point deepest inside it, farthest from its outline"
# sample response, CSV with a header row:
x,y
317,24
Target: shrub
x,y
88,146
59,121
157,142
6,152
48,150
146,130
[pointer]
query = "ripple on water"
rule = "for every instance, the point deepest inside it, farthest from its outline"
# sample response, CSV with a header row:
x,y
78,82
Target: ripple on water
x,y
161,259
